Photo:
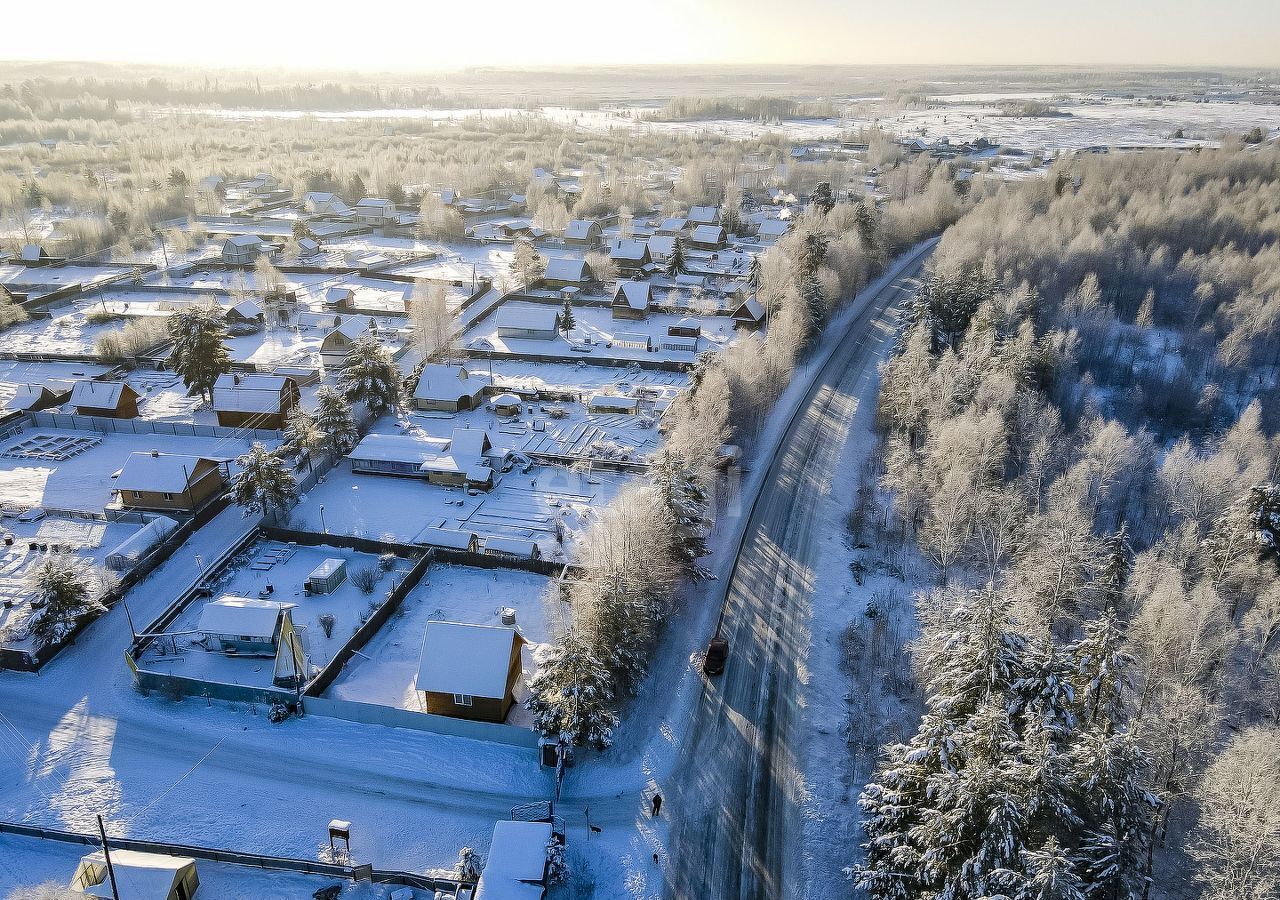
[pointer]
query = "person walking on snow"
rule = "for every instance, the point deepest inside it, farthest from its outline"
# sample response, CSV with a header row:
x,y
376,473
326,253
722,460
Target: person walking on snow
x,y
657,805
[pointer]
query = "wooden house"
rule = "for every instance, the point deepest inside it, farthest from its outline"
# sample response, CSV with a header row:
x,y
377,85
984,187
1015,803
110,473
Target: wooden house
x,y
469,671
444,388
567,271
583,233
376,212
254,401
241,250
630,255
168,482
30,398
632,300
337,344
704,215
708,237
750,314
107,399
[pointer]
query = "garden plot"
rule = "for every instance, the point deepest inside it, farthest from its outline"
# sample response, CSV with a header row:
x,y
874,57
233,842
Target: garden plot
x,y
275,571
68,333
86,541
224,281
531,375
281,345
458,262
598,336
535,506
385,670
82,481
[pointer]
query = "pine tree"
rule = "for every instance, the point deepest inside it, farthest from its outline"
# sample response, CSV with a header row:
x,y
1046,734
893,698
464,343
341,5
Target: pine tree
x,y
60,598
567,320
333,418
369,375
821,197
753,273
264,483
303,433
685,502
199,355
676,263
571,696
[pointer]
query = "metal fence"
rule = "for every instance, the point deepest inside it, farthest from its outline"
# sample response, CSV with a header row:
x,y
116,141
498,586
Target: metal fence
x,y
104,425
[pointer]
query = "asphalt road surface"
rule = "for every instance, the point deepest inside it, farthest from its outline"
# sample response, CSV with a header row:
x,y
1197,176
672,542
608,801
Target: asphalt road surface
x,y
735,798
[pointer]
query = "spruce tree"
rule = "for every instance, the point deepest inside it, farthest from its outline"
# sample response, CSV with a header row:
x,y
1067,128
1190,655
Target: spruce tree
x,y
264,483
676,263
199,355
333,418
369,375
60,598
571,697
821,198
526,265
685,502
567,320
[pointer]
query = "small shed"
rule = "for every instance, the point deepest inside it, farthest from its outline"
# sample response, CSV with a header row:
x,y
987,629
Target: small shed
x,y
325,578
517,865
686,327
749,314
243,625
518,548
449,539
308,249
31,398
133,548
507,404
611,403
469,671
246,312
632,300
340,297
35,255
138,876
633,340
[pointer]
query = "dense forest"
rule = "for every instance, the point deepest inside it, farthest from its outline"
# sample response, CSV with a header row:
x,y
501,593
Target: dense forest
x,y
1079,435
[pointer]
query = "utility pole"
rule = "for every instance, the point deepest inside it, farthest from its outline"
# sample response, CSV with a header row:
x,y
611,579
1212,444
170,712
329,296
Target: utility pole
x,y
106,854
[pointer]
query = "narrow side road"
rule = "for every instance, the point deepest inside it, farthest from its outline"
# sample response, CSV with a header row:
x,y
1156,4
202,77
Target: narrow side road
x,y
736,793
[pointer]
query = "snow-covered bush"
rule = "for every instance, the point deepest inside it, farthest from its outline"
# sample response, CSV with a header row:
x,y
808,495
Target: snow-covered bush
x,y
61,598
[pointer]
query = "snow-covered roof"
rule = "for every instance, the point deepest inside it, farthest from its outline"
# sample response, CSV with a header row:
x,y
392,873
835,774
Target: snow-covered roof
x,y
506,399
244,240
636,294
25,396
138,876
308,247
773,228
247,616
249,393
579,229
450,538
531,318
32,252
398,448
98,394
662,245
708,234
375,203
339,294
673,223
750,308
168,473
566,268
441,382
704,215
628,249
469,444
517,863
352,327
611,401
246,309
521,547
466,659
635,338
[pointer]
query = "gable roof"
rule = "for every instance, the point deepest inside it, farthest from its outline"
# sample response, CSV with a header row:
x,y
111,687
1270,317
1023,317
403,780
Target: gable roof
x,y
242,615
773,228
708,234
704,215
662,245
580,229
468,445
27,396
449,538
139,876
250,393
168,473
351,327
635,294
630,249
533,318
441,382
750,309
100,394
673,223
466,659
566,268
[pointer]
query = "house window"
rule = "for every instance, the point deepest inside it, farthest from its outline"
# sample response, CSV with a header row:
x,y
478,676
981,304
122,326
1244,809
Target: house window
x,y
137,495
246,637
168,496
461,699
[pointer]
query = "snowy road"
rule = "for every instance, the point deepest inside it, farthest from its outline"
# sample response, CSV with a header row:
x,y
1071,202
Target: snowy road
x,y
737,792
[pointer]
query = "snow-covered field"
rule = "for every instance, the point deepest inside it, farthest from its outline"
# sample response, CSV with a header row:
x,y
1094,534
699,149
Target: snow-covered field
x,y
249,576
84,481
385,671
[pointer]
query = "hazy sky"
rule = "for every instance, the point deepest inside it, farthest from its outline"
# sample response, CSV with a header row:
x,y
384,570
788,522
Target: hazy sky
x,y
429,34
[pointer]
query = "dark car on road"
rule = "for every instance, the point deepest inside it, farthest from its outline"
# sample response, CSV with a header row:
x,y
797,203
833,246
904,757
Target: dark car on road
x,y
717,654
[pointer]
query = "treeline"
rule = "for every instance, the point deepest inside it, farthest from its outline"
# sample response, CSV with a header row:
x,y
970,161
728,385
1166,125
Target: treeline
x,y
757,109
1109,609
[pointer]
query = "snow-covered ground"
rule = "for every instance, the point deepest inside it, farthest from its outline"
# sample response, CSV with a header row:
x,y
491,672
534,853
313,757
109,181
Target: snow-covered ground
x,y
520,505
89,540
249,576
84,481
532,375
385,671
